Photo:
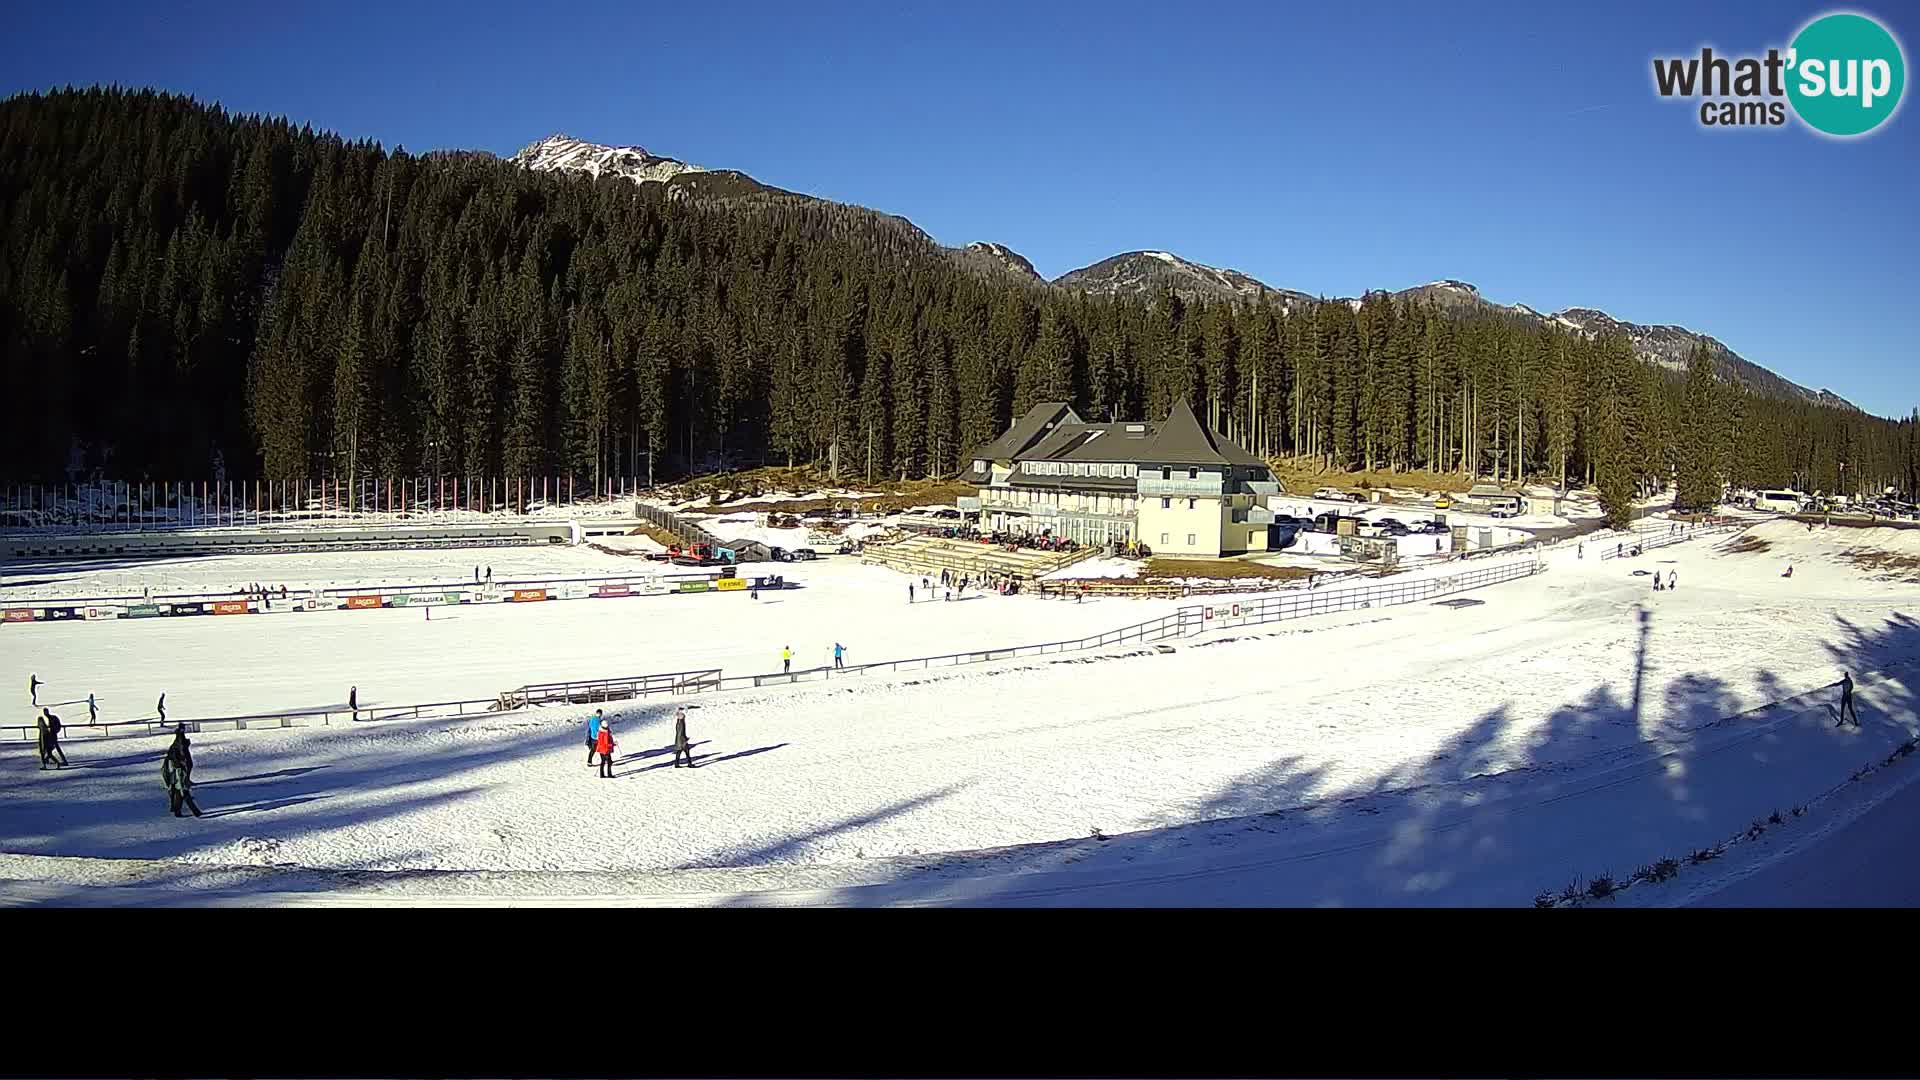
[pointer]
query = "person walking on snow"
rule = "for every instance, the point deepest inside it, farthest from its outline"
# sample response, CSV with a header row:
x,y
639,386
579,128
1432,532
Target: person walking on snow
x,y
162,706
93,710
593,735
681,747
49,732
1673,580
1846,700
786,660
33,689
909,592
353,701
175,772
839,655
1656,581
604,744
182,749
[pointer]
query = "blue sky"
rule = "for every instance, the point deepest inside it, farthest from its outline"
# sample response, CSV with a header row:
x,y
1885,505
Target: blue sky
x,y
1328,148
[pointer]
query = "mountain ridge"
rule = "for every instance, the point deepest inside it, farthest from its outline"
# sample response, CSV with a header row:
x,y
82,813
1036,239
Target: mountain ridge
x,y
1150,271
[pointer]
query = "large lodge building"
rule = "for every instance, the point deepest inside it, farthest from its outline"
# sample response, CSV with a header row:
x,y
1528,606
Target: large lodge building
x,y
1174,486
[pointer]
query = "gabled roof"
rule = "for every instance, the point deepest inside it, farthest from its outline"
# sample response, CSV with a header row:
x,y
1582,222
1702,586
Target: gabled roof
x,y
1027,431
1183,440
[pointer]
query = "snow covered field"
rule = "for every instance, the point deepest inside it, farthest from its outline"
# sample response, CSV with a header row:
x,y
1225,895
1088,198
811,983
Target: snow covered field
x,y
1561,725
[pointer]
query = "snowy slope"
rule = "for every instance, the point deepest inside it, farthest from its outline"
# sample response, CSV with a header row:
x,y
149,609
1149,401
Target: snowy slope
x,y
563,153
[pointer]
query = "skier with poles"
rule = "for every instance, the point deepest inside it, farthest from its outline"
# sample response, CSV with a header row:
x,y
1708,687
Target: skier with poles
x,y
33,688
593,735
839,656
1846,700
162,706
353,701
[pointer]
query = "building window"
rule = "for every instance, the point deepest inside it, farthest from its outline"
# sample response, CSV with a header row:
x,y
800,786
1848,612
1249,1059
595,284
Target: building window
x,y
1166,504
1163,539
1166,472
1191,503
1193,474
1192,541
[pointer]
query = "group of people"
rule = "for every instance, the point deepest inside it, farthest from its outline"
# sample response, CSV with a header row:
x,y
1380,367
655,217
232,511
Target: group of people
x,y
1673,581
601,743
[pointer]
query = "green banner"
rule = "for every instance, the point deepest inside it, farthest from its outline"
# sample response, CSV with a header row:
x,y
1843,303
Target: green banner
x,y
423,599
142,611
693,586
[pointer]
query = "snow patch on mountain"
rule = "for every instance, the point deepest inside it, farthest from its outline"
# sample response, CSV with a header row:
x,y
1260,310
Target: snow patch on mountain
x,y
563,153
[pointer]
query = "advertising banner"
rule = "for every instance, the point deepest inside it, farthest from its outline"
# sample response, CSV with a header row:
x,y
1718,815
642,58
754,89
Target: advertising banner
x,y
611,590
363,601
653,587
730,584
573,590
230,607
186,609
425,599
61,613
100,613
18,614
142,611
522,596
693,586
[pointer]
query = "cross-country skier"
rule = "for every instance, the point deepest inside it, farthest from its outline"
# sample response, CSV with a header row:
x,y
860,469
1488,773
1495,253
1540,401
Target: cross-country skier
x,y
593,734
681,747
353,701
604,744
33,688
1846,700
93,710
839,655
909,592
786,660
1673,580
162,706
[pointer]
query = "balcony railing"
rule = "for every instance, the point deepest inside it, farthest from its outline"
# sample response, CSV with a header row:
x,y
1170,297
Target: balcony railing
x,y
1208,485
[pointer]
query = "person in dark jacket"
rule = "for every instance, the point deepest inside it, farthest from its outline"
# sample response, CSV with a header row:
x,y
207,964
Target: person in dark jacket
x,y
353,701
53,735
93,710
604,744
176,774
681,747
33,687
182,749
593,734
162,706
1846,700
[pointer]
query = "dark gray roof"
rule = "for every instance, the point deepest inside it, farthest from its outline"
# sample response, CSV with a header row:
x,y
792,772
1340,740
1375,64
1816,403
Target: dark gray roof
x,y
1183,440
1027,430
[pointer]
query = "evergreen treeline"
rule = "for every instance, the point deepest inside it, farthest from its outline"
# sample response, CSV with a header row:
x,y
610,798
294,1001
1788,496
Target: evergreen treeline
x,y
183,291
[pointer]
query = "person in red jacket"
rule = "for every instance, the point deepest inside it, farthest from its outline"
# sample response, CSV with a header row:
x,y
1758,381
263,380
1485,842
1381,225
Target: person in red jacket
x,y
603,745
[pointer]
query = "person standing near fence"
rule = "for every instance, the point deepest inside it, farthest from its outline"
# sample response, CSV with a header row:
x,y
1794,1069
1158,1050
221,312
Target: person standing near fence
x,y
176,771
93,709
593,735
33,688
162,706
839,656
681,747
604,744
786,660
1846,700
353,701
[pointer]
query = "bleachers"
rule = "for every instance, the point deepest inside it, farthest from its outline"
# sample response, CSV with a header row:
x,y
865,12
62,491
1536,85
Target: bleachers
x,y
928,555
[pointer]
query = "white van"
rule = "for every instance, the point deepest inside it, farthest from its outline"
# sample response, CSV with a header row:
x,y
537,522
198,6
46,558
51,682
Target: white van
x,y
1785,502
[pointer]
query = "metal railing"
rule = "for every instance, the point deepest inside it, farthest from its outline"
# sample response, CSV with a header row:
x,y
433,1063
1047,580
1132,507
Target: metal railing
x,y
153,725
577,692
1638,546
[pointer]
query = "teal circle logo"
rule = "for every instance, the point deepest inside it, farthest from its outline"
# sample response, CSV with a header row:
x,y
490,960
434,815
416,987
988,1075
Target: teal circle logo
x,y
1845,74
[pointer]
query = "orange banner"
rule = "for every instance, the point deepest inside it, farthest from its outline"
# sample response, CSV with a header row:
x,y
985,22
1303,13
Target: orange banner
x,y
18,615
523,595
363,601
230,607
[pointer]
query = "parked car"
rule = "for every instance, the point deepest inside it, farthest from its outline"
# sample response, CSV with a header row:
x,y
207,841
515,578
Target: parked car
x,y
1292,522
1504,512
1443,503
805,554
1435,528
781,554
1394,528
1327,494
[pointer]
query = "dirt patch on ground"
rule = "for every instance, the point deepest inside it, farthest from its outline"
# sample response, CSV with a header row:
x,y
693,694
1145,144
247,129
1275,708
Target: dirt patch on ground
x,y
1747,545
1901,567
1219,570
654,533
1302,476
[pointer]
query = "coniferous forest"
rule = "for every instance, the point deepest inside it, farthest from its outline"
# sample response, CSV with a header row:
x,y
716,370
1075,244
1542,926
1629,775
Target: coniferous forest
x,y
185,292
